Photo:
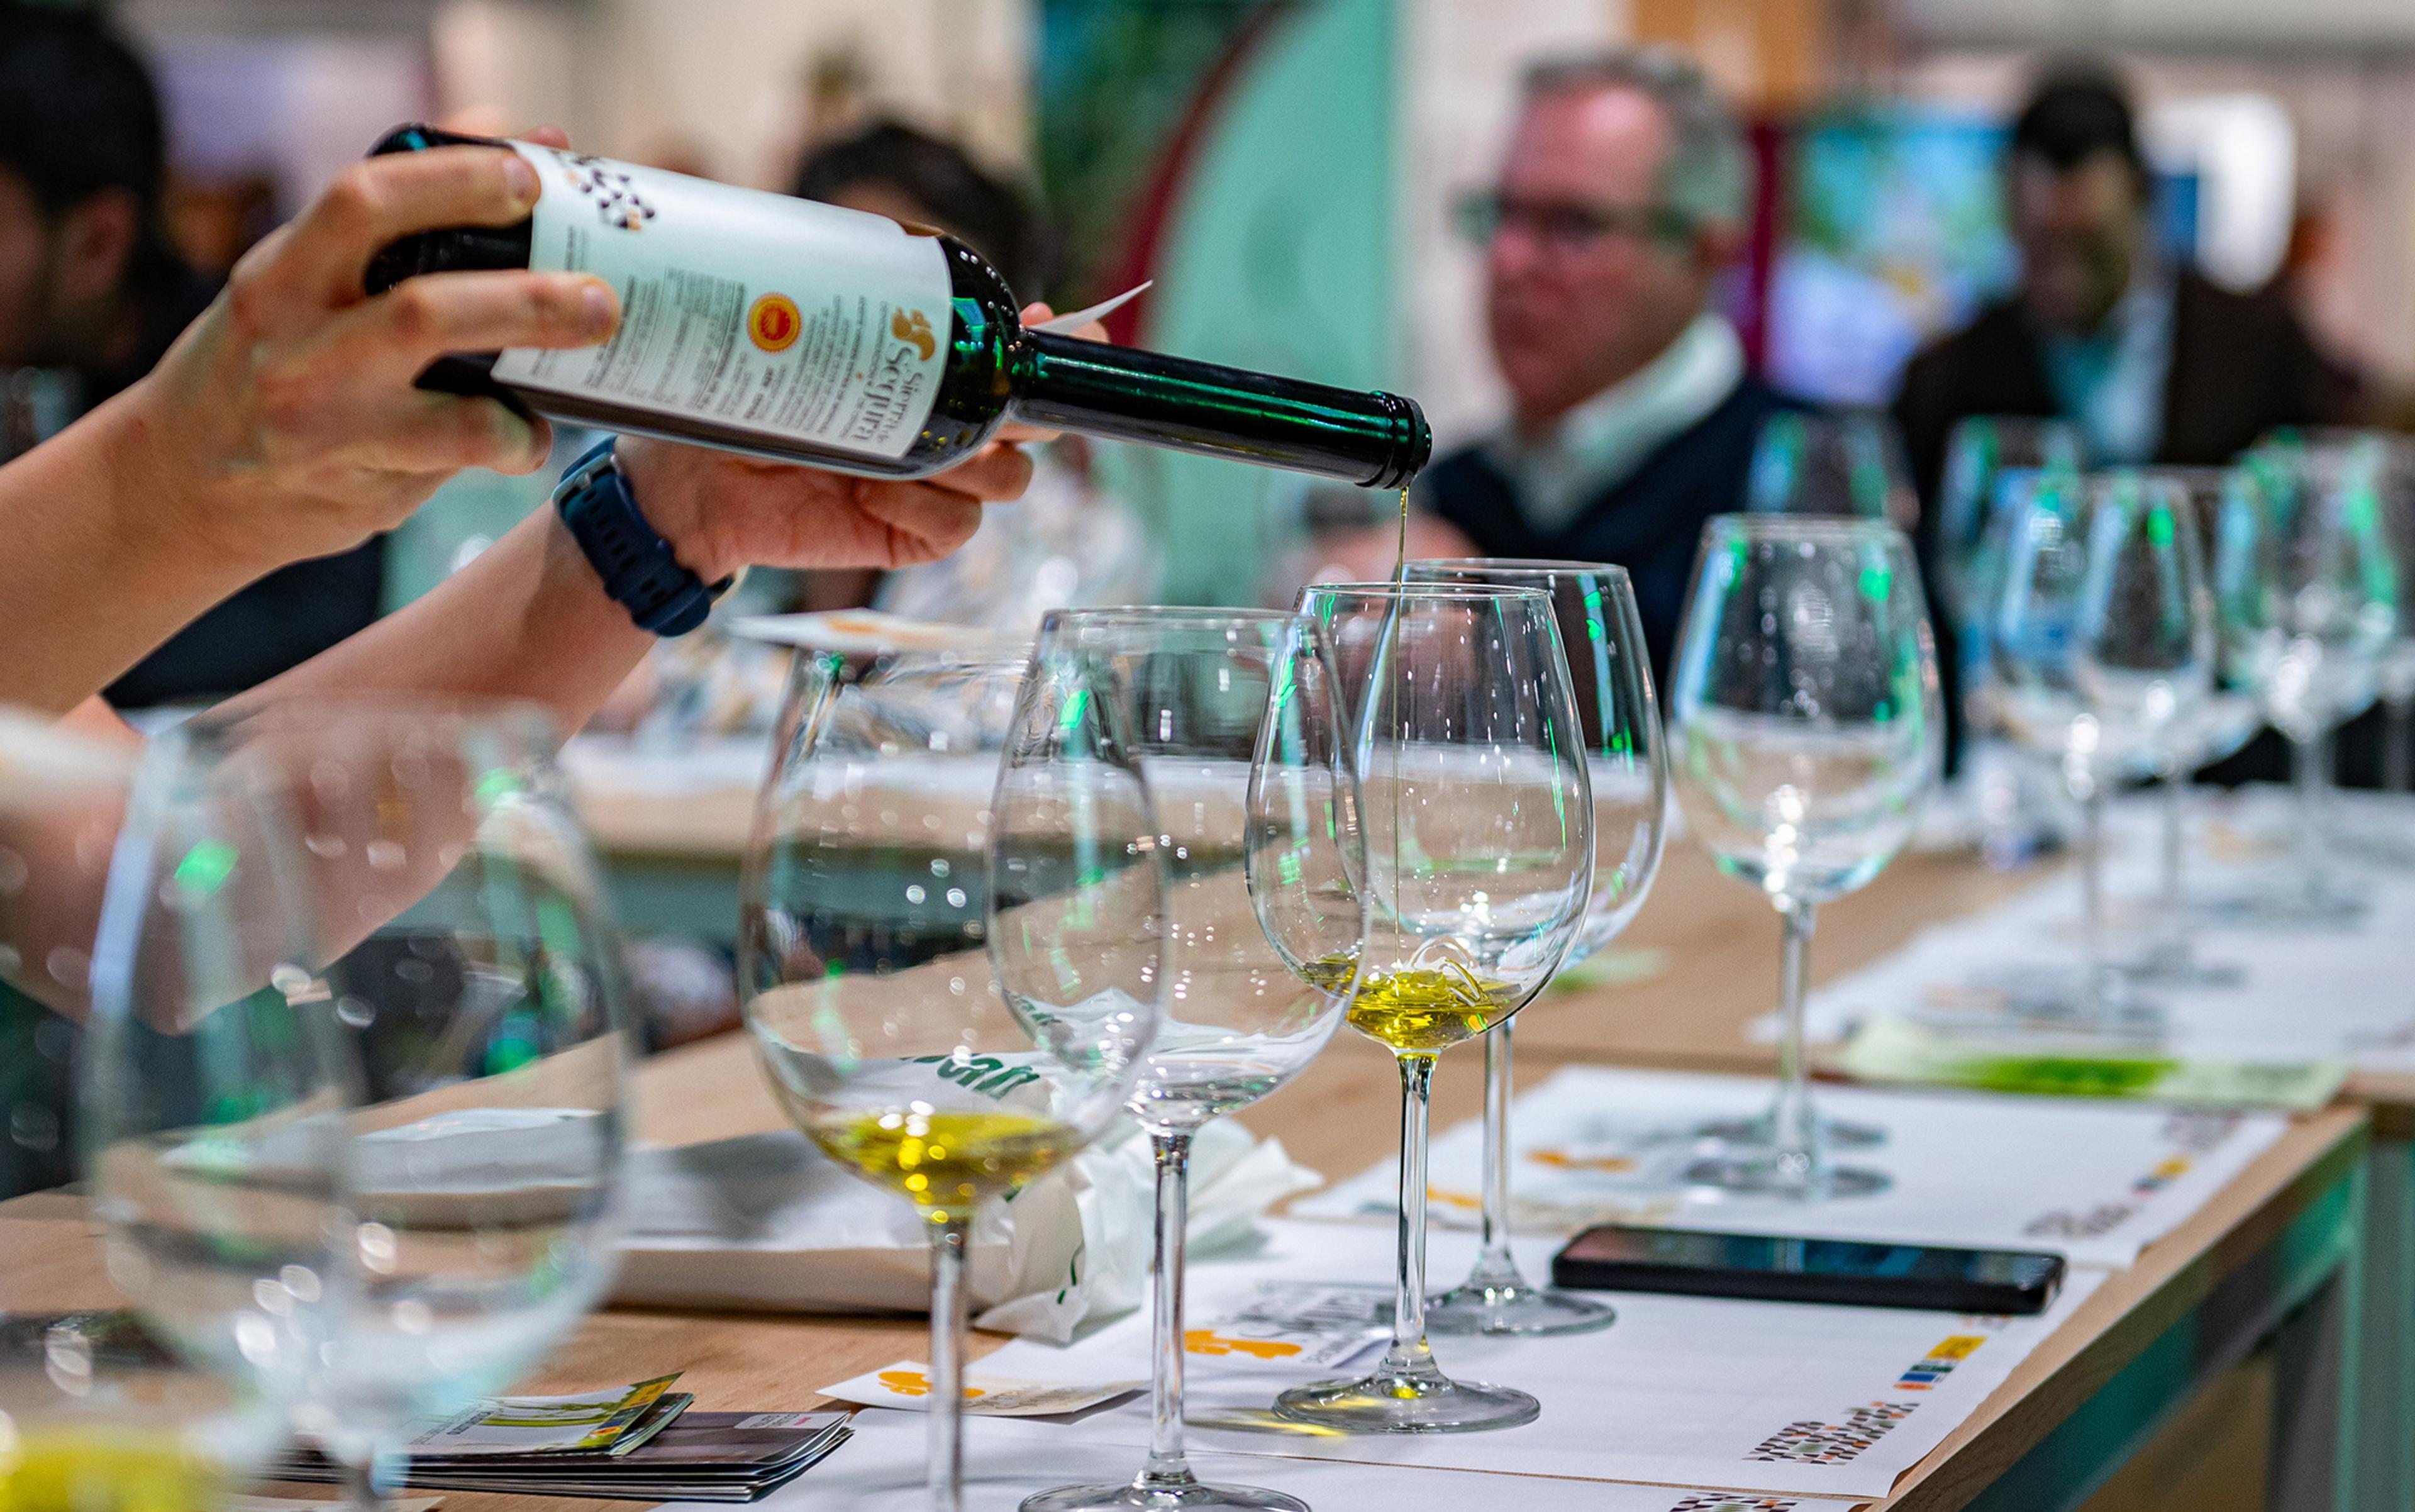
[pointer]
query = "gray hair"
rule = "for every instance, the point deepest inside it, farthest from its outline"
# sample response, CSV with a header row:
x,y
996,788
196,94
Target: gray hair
x,y
1705,178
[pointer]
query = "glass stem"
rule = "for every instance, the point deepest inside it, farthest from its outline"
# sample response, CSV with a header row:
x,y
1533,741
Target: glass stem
x,y
1410,1354
951,1238
1791,1136
1495,1269
1166,1468
2306,777
360,1482
2174,947
2092,901
2398,743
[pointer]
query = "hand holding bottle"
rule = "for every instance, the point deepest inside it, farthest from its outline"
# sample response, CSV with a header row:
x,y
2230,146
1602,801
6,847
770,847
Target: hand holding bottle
x,y
286,419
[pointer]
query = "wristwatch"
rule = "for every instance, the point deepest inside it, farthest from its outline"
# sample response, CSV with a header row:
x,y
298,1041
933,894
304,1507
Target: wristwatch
x,y
640,570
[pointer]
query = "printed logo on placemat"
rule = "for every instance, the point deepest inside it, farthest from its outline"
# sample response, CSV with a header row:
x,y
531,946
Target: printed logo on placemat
x,y
2194,1132
1713,1501
1833,1444
1940,1361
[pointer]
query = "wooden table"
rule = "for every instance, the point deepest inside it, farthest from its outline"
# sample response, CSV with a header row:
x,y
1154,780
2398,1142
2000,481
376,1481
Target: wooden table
x,y
2281,1257
2276,1260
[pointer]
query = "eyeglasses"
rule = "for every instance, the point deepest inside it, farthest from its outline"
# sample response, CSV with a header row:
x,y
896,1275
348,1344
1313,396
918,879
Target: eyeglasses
x,y
1564,226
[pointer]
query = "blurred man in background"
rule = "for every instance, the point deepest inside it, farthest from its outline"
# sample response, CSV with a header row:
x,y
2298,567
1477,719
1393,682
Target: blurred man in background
x,y
1623,198
89,286
2152,363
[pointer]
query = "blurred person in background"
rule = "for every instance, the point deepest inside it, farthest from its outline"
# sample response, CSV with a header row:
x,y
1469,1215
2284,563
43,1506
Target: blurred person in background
x,y
1622,200
2153,363
89,286
1064,543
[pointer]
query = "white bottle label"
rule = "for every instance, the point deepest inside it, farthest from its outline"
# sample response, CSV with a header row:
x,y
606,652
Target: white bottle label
x,y
794,321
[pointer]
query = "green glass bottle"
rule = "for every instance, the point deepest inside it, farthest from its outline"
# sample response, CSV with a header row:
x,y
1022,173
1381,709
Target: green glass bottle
x,y
815,334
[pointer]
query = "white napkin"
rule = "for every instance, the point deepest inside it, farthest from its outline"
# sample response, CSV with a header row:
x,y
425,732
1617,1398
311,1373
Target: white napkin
x,y
767,1222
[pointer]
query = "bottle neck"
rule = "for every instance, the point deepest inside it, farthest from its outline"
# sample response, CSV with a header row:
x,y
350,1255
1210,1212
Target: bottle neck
x,y
1370,439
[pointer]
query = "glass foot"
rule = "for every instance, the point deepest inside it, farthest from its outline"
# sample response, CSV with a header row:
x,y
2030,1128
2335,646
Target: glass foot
x,y
1775,1175
2324,906
1517,1308
2058,997
1183,1495
1760,1130
1407,1401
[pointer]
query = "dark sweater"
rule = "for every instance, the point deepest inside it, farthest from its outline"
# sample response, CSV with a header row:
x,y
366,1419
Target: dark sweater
x,y
1649,522
2241,365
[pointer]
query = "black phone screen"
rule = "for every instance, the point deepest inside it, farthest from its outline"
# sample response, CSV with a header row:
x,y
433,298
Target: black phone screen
x,y
1781,1268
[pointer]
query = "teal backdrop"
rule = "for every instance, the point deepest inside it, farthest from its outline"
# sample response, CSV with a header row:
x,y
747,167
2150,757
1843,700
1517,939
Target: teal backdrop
x,y
1264,210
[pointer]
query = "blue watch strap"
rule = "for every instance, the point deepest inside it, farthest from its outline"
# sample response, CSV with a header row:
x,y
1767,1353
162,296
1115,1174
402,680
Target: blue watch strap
x,y
640,570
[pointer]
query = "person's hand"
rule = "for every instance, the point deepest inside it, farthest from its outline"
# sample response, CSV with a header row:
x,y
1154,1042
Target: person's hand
x,y
285,417
721,512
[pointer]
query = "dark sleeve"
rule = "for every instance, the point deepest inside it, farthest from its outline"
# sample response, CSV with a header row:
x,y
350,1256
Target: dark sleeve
x,y
1923,411
2311,387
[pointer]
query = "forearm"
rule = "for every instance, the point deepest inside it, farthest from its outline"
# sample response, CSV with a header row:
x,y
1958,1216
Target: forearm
x,y
528,619
100,563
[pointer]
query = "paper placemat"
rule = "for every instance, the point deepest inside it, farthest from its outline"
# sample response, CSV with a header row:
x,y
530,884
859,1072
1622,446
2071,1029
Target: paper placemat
x,y
2094,1181
882,1469
1779,1398
2279,994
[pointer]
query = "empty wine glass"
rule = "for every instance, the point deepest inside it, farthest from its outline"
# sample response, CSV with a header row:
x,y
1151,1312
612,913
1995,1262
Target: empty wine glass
x,y
2395,477
2307,602
357,1074
1479,854
1844,462
1804,738
2226,719
1991,462
1983,454
2104,648
952,926
1238,730
1594,604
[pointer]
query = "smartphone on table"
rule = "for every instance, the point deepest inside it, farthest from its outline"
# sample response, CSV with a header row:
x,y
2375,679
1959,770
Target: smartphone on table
x,y
1768,1267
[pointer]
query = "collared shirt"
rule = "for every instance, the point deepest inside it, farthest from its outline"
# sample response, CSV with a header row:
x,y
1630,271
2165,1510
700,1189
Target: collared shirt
x,y
2111,381
1604,440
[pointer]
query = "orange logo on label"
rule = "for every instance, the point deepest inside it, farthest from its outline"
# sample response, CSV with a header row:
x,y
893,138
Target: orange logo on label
x,y
913,327
915,1384
1208,1342
775,323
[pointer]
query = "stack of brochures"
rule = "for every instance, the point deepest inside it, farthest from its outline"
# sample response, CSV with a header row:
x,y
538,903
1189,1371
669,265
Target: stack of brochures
x,y
639,1443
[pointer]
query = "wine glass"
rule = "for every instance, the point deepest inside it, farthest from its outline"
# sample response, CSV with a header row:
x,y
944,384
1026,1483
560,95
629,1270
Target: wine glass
x,y
1238,730
98,1415
2104,650
358,1057
2226,720
1594,605
2307,602
1843,462
102,1419
1983,453
1804,738
949,947
1479,854
1989,463
2394,460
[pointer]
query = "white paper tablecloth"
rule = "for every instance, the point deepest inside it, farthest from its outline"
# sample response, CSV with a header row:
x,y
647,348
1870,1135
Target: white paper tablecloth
x,y
2094,1181
881,1470
2297,993
1776,1397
